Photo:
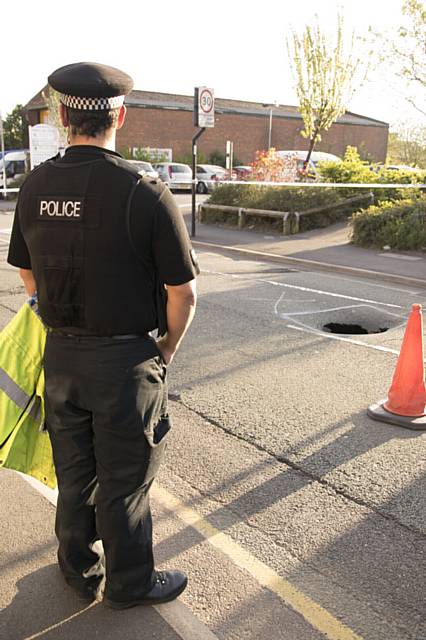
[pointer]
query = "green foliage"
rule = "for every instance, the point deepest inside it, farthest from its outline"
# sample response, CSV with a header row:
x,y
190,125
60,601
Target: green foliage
x,y
219,158
353,170
144,155
52,100
280,199
407,145
126,152
400,225
15,129
186,158
325,78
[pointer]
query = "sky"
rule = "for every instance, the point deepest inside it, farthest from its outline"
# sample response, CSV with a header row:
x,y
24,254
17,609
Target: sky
x,y
236,47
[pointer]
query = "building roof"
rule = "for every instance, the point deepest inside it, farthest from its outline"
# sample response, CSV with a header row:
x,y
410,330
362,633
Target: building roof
x,y
157,100
38,101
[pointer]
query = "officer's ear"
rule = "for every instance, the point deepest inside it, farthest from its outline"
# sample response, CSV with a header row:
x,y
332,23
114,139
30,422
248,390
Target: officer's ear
x,y
121,116
63,112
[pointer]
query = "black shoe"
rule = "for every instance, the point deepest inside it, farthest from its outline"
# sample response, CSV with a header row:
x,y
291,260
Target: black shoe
x,y
168,586
88,594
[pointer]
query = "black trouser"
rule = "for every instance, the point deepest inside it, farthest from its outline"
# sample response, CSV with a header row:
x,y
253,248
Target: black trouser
x,y
106,413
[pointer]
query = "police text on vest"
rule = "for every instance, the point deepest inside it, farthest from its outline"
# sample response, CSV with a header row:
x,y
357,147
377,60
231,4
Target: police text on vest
x,y
60,208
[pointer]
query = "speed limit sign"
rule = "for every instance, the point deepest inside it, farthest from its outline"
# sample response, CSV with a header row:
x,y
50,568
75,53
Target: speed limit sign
x,y
204,107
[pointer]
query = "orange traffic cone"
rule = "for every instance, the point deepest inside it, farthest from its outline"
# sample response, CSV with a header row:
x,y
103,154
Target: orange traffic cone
x,y
406,402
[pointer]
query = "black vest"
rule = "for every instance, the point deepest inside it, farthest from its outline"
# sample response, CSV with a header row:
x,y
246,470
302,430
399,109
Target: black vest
x,y
74,219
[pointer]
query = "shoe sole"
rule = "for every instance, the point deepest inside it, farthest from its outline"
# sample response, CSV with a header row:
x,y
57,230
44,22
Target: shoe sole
x,y
143,602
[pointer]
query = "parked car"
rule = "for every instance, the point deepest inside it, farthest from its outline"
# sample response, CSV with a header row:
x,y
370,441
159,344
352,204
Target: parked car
x,y
311,173
145,168
207,176
16,164
242,172
400,167
176,175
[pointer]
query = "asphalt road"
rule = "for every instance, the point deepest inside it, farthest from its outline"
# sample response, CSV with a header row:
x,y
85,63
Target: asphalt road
x,y
294,514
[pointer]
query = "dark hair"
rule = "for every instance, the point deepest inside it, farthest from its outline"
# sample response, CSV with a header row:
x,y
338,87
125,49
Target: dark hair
x,y
91,123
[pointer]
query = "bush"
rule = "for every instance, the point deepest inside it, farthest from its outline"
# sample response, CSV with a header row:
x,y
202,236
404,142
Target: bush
x,y
143,155
353,169
400,225
219,158
186,158
280,199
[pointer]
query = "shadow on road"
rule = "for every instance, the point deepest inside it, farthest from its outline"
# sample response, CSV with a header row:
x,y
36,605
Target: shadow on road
x,y
45,607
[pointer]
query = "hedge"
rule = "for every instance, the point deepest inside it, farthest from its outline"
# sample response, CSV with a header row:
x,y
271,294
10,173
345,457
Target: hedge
x,y
279,199
353,170
399,225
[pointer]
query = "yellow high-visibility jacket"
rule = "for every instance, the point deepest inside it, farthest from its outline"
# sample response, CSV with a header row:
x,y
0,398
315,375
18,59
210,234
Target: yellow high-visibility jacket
x,y
24,446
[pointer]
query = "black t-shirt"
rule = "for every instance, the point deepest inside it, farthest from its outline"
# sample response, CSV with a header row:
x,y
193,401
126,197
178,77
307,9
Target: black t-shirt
x,y
157,227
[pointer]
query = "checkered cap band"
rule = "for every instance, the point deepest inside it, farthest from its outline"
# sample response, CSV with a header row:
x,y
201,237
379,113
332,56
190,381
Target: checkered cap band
x,y
92,104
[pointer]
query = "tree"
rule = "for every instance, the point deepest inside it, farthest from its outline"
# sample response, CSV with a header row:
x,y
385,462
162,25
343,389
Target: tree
x,y
408,50
53,102
270,167
15,129
325,76
407,145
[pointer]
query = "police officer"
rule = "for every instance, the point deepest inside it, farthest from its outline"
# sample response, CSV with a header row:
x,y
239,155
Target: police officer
x,y
101,246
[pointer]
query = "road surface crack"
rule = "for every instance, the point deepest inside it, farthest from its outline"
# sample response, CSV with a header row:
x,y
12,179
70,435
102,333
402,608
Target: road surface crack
x,y
307,474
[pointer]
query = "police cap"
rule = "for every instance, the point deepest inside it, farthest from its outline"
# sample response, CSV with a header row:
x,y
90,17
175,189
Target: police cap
x,y
91,86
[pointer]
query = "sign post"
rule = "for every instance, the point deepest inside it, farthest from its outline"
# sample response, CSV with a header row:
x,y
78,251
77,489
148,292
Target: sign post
x,y
203,118
229,157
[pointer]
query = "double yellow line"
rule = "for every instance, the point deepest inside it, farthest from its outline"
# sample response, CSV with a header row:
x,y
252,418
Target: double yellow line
x,y
312,612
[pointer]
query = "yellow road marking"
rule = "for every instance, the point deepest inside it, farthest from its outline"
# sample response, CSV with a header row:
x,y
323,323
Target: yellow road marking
x,y
312,612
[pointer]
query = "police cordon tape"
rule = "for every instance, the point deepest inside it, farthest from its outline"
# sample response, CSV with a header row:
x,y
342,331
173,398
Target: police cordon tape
x,y
14,190
344,185
340,185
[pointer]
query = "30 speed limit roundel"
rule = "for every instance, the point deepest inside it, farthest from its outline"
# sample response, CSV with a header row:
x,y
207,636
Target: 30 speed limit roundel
x,y
206,101
204,107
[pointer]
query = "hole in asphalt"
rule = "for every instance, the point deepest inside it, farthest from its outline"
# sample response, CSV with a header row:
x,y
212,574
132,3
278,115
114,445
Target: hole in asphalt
x,y
354,329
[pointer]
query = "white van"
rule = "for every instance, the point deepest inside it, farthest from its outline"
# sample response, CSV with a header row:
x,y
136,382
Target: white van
x,y
16,164
316,156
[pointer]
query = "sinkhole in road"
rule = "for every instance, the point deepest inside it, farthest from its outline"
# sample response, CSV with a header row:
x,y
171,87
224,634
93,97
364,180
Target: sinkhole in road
x,y
352,329
358,319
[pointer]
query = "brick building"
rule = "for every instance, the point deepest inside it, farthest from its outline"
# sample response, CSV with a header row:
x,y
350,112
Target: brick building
x,y
162,120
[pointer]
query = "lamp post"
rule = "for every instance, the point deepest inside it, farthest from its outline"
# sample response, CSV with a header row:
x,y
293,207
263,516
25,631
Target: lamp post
x,y
270,127
271,108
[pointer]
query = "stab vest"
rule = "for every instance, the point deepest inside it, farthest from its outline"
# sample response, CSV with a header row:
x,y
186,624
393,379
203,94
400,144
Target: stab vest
x,y
74,217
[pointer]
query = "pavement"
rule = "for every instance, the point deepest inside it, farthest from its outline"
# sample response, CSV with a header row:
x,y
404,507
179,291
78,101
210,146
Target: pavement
x,y
328,249
35,600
